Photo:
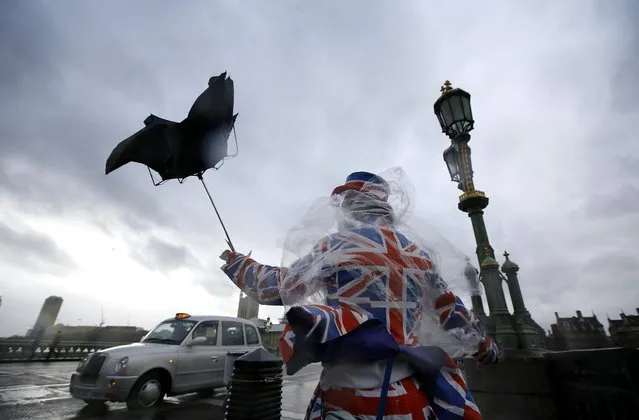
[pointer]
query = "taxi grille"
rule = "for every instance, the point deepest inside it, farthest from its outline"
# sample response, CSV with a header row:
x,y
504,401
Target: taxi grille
x,y
92,369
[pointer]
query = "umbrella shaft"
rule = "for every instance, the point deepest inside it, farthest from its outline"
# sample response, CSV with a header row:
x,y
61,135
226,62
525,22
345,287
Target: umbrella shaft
x,y
228,238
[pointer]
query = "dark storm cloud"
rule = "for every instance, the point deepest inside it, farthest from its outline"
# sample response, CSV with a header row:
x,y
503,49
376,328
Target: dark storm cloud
x,y
623,264
158,254
89,91
614,151
77,91
215,283
619,201
59,112
31,250
624,86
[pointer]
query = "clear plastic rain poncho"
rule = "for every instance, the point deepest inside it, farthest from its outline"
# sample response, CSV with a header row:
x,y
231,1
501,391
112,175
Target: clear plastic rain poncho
x,y
345,219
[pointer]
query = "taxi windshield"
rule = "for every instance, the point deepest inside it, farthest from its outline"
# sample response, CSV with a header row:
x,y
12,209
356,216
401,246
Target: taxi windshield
x,y
171,331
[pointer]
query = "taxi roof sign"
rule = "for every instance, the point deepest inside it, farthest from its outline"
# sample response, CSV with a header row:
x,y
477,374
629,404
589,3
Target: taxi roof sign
x,y
182,315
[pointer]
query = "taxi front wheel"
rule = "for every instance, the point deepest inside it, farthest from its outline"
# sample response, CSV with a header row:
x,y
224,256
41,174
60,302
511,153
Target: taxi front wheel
x,y
147,392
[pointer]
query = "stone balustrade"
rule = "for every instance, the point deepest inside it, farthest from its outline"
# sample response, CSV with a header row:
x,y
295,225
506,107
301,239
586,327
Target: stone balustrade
x,y
601,384
22,350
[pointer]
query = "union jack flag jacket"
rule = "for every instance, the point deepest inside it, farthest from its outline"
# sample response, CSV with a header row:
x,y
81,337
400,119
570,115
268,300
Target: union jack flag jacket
x,y
377,283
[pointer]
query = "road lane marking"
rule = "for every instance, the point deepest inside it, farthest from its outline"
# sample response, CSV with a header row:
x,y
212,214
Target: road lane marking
x,y
218,402
19,387
285,384
57,378
7,399
41,375
33,402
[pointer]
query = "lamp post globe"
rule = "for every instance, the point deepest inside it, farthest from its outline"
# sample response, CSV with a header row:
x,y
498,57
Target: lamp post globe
x,y
453,111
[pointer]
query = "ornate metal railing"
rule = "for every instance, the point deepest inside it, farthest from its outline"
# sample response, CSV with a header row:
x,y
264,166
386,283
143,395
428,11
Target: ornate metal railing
x,y
26,350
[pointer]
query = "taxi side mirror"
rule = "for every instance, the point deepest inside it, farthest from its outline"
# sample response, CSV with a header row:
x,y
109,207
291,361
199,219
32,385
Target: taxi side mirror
x,y
197,341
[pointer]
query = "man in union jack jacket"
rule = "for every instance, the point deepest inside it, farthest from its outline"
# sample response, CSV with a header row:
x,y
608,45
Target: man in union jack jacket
x,y
379,291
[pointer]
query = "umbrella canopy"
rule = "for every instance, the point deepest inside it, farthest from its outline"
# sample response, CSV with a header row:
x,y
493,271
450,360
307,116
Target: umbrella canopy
x,y
179,150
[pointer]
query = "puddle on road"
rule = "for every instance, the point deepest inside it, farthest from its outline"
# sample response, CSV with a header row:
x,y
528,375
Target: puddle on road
x,y
30,395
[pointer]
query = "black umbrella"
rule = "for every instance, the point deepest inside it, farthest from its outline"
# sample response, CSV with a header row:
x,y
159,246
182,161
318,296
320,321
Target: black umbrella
x,y
178,150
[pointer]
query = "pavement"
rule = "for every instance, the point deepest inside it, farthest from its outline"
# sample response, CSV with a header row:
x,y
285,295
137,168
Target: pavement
x,y
40,391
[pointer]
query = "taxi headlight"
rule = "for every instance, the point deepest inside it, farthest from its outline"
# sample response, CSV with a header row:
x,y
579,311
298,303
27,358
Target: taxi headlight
x,y
121,364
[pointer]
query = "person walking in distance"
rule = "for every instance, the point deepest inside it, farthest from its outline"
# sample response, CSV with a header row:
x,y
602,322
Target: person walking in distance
x,y
53,347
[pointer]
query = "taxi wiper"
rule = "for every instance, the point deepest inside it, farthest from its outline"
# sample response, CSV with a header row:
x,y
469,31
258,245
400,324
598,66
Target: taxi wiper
x,y
161,340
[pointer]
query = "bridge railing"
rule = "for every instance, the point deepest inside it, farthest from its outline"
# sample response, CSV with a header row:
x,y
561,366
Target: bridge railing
x,y
595,384
26,350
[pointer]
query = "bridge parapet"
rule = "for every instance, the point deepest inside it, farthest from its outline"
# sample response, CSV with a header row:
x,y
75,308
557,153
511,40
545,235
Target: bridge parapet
x,y
598,384
12,350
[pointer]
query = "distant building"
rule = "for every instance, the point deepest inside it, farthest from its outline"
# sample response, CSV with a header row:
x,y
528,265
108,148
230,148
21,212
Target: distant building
x,y
247,308
91,333
577,333
262,324
271,337
269,332
543,339
624,332
48,315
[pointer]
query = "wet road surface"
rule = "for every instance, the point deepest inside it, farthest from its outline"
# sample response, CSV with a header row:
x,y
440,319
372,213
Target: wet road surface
x,y
40,391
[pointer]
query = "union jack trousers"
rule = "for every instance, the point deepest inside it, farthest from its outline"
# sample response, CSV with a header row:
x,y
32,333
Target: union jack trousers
x,y
359,292
404,400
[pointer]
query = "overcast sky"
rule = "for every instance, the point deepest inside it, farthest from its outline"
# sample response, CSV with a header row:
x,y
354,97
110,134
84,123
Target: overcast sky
x,y
322,89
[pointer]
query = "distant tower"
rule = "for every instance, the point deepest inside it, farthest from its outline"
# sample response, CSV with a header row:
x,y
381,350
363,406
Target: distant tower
x,y
247,308
472,276
529,333
48,314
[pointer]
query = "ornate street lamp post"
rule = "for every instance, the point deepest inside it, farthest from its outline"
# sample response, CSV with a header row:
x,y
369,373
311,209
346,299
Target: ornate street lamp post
x,y
455,116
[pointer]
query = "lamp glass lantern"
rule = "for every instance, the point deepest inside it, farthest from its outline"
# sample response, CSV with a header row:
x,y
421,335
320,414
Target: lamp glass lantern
x,y
451,157
454,112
